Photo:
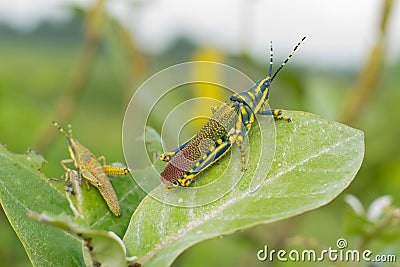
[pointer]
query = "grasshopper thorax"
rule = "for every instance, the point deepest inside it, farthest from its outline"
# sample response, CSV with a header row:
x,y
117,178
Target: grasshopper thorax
x,y
256,96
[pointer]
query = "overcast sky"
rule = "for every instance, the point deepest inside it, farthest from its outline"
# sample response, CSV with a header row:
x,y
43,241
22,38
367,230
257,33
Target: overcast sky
x,y
338,32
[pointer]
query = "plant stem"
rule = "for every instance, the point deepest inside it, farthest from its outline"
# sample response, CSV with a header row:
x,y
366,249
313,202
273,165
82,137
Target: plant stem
x,y
67,103
369,77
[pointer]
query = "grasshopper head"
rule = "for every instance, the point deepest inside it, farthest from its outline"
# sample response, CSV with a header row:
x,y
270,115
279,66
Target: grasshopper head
x,y
72,143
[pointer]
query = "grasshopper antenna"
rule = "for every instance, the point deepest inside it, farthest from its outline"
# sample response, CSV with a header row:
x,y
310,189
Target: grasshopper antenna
x,y
287,59
271,59
62,130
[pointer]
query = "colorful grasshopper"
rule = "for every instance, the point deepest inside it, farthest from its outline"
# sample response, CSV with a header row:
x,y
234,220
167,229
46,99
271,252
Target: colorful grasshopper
x,y
91,170
228,125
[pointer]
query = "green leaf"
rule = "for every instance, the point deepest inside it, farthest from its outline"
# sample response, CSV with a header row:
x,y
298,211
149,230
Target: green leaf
x,y
24,189
314,161
95,210
105,248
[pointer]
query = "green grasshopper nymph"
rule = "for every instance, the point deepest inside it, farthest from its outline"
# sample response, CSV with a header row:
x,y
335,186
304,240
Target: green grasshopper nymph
x,y
229,124
90,169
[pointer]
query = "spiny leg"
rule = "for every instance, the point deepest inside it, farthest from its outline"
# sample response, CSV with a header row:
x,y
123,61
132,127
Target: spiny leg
x,y
242,152
243,125
112,170
239,141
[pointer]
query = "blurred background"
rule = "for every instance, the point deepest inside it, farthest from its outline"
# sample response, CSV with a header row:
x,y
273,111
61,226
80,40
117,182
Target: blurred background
x,y
80,62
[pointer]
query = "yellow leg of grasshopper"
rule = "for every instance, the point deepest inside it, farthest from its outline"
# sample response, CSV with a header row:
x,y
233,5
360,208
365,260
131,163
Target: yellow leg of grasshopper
x,y
112,170
241,131
66,161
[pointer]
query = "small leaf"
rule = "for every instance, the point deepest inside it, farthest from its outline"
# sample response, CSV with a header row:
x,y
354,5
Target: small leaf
x,y
377,207
355,204
314,161
105,248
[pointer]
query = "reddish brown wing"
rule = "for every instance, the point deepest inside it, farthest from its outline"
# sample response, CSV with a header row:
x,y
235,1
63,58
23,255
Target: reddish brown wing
x,y
181,162
185,159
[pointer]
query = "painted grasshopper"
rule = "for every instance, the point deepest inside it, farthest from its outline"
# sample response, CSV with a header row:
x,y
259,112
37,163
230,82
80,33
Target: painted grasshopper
x,y
229,124
90,169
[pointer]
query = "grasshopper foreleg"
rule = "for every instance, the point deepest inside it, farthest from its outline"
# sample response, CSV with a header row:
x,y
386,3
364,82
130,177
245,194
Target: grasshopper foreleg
x,y
277,113
239,141
102,159
66,161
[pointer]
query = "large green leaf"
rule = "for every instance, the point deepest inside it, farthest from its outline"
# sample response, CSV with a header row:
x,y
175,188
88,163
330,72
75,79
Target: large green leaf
x,y
314,161
23,190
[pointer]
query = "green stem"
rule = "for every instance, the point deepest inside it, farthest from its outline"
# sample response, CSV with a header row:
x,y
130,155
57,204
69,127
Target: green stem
x,y
68,101
358,98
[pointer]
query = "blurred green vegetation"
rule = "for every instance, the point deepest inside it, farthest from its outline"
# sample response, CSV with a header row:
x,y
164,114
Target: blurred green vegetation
x,y
36,67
